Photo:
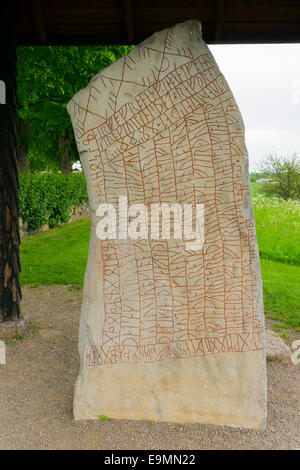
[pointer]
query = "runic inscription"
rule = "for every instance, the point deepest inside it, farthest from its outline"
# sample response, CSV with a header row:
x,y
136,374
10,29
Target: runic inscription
x,y
179,139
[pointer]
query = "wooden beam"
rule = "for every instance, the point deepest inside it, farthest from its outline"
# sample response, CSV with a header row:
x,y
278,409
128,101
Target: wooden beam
x,y
220,14
38,20
10,290
129,20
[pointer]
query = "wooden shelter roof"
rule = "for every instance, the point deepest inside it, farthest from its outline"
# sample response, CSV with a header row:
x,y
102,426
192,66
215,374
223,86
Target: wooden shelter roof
x,y
108,22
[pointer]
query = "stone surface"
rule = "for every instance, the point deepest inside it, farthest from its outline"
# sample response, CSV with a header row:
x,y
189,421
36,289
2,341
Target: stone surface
x,y
167,333
9,329
2,353
276,348
296,352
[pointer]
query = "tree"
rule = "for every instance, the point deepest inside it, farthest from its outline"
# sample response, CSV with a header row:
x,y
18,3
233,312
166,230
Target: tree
x,y
282,176
48,77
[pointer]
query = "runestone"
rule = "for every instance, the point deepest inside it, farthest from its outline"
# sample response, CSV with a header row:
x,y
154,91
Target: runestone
x,y
167,333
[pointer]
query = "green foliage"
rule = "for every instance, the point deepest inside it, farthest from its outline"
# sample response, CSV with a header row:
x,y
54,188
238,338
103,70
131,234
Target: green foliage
x,y
255,176
48,197
104,418
32,203
283,176
255,189
48,77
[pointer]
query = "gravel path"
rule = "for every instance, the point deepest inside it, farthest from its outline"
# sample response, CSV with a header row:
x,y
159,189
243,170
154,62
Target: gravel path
x,y
36,392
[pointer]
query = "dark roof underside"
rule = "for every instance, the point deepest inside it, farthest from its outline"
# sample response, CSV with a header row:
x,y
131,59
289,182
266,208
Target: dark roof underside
x,y
100,22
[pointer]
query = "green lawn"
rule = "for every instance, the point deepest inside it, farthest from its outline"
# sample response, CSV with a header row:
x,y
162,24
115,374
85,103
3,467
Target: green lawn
x,y
56,257
281,284
59,257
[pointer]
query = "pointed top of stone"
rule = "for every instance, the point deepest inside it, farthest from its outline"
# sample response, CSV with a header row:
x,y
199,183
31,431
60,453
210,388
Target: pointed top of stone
x,y
146,64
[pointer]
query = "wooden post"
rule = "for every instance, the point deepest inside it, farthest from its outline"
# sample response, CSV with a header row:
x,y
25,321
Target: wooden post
x,y
10,291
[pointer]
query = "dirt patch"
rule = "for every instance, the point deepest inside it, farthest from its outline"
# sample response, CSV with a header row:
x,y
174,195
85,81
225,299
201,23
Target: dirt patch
x,y
37,383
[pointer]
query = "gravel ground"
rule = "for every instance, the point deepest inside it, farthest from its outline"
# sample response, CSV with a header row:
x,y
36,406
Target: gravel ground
x,y
36,393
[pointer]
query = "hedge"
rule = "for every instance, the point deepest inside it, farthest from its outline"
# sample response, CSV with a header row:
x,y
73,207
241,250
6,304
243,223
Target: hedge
x,y
46,198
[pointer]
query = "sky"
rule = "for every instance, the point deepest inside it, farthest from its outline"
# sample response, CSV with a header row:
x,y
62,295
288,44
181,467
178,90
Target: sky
x,y
265,80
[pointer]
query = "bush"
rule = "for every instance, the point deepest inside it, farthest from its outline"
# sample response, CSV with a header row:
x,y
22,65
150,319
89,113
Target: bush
x,y
48,197
283,176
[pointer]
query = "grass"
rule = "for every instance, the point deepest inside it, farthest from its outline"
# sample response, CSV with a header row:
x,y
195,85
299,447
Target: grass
x,y
281,284
59,257
255,189
56,257
278,228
